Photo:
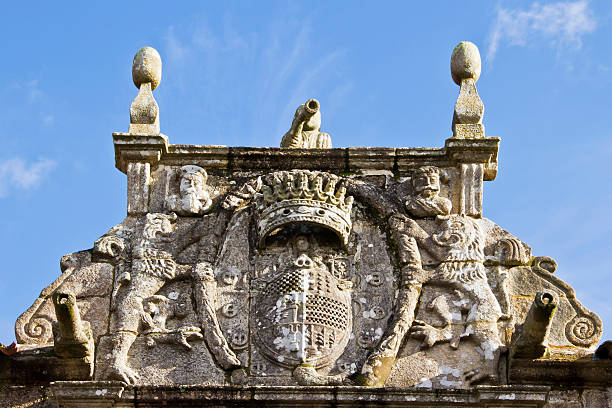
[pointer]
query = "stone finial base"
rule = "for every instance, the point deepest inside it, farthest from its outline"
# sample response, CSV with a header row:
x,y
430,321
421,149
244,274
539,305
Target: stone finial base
x,y
468,131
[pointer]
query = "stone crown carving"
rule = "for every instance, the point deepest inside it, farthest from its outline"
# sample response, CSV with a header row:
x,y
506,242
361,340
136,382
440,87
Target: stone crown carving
x,y
304,197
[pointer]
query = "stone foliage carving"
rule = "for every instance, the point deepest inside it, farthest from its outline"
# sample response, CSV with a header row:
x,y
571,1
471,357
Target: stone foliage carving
x,y
305,129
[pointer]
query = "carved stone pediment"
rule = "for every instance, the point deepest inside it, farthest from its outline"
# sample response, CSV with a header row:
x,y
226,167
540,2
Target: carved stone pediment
x,y
308,266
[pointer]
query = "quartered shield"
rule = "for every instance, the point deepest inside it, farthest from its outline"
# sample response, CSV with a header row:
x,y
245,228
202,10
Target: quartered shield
x,y
303,315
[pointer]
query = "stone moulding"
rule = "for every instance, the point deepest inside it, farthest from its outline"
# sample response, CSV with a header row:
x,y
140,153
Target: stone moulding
x,y
116,394
156,150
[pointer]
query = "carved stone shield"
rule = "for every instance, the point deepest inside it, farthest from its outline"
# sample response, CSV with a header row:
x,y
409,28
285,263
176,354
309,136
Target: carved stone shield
x,y
303,315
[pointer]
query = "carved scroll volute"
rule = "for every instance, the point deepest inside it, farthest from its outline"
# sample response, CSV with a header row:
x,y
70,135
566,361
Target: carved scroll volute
x,y
35,325
584,330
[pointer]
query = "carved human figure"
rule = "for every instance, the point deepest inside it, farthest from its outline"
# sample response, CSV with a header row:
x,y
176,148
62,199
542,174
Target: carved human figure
x,y
426,201
459,247
305,129
152,265
193,197
377,367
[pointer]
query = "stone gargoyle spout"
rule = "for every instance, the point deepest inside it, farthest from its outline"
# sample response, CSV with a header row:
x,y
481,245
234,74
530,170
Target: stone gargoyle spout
x,y
72,336
532,341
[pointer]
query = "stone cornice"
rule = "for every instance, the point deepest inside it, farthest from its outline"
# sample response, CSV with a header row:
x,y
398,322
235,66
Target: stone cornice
x,y
106,393
400,161
138,148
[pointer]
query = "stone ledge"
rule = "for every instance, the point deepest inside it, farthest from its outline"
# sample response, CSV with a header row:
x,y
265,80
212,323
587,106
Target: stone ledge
x,y
20,369
155,148
104,393
138,148
558,372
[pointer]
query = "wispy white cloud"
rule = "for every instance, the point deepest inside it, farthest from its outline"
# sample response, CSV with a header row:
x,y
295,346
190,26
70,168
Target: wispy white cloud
x,y
302,86
277,67
48,120
559,24
33,90
31,98
17,173
174,47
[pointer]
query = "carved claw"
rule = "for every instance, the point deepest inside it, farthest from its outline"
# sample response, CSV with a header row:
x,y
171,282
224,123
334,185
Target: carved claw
x,y
428,333
186,334
180,336
323,141
477,376
123,373
228,360
123,278
307,375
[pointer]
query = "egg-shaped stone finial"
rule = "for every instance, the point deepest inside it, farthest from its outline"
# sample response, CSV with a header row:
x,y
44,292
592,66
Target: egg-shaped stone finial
x,y
147,67
465,62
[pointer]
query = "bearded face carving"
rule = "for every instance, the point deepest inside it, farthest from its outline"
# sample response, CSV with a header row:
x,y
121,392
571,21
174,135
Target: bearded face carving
x,y
425,200
193,197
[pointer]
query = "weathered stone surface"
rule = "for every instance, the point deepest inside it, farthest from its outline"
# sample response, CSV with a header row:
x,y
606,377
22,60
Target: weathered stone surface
x,y
40,365
438,291
239,270
147,68
146,73
560,371
469,109
27,397
465,62
90,282
305,129
72,336
71,394
138,184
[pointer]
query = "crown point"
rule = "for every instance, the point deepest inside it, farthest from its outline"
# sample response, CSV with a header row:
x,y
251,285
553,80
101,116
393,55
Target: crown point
x,y
147,67
465,62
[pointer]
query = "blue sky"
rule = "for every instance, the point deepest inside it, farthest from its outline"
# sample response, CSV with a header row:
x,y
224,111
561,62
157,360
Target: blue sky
x,y
233,74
